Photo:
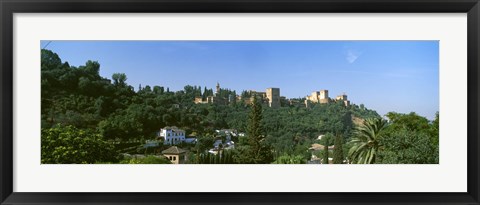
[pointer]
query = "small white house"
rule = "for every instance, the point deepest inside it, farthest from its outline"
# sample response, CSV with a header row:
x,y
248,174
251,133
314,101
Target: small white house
x,y
172,135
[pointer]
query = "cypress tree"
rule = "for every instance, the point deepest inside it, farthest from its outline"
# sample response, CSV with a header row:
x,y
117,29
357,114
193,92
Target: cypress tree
x,y
325,154
259,152
254,127
338,151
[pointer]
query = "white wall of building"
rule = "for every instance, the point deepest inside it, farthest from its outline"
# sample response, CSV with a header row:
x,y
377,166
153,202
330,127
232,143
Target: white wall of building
x,y
172,136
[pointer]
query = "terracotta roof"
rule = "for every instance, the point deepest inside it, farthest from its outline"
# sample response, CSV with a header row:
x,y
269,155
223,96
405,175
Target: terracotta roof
x,y
316,146
173,150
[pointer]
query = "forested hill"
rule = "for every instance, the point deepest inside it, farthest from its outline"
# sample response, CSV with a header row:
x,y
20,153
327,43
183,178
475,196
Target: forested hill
x,y
80,97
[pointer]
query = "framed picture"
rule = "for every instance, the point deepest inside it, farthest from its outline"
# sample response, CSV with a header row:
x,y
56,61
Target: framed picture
x,y
252,102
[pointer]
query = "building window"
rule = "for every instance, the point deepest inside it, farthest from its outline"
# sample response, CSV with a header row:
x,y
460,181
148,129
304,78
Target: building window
x,y
170,158
174,158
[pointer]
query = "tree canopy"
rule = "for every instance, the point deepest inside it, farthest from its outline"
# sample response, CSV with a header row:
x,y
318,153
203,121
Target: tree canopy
x,y
69,145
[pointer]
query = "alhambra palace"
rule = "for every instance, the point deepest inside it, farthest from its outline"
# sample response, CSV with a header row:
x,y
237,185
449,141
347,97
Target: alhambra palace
x,y
272,98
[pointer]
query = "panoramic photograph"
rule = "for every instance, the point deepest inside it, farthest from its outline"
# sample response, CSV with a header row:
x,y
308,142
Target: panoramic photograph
x,y
239,102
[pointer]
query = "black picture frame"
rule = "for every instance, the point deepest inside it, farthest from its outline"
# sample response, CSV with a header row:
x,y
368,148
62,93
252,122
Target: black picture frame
x,y
9,7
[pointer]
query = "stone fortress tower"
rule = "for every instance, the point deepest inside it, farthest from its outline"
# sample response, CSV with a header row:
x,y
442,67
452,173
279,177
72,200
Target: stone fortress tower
x,y
319,97
273,96
322,98
218,89
343,98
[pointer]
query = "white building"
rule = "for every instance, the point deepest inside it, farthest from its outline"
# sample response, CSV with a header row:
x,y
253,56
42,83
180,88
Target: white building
x,y
172,135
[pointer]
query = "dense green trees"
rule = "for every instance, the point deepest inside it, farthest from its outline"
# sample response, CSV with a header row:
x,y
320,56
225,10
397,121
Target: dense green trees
x,y
410,139
405,139
69,145
223,157
290,159
408,147
147,160
293,129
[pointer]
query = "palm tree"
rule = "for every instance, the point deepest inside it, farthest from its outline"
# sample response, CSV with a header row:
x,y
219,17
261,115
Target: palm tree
x,y
365,143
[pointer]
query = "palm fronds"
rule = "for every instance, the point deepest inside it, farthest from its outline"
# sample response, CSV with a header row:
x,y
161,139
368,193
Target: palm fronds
x,y
365,142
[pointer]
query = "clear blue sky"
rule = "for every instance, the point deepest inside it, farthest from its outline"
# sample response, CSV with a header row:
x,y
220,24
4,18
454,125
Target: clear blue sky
x,y
400,76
